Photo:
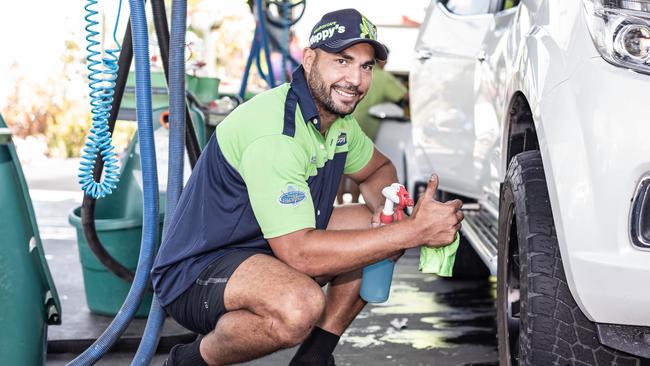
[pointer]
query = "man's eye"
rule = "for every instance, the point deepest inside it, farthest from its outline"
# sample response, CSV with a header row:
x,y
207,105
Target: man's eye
x,y
342,61
367,67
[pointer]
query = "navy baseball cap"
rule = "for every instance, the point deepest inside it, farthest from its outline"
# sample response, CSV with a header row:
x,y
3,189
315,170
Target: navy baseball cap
x,y
343,28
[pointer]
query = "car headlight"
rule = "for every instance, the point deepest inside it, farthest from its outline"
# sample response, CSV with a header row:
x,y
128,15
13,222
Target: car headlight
x,y
620,30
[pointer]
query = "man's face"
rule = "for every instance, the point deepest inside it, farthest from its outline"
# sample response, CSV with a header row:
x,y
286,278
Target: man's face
x,y
338,81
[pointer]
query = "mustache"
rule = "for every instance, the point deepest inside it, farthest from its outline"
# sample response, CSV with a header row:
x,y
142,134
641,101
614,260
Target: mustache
x,y
348,87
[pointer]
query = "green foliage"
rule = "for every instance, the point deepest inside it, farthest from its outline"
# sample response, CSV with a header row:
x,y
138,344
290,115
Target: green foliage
x,y
56,109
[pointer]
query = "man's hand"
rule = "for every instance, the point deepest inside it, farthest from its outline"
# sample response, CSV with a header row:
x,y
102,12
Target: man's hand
x,y
438,222
376,217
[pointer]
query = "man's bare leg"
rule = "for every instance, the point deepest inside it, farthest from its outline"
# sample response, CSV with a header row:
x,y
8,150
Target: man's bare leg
x,y
270,306
343,302
354,190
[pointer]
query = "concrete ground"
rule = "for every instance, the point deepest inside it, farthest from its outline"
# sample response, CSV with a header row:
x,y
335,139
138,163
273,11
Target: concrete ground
x,y
427,320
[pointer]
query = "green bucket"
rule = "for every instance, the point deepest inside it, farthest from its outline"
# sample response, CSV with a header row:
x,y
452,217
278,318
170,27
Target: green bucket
x,y
105,292
205,89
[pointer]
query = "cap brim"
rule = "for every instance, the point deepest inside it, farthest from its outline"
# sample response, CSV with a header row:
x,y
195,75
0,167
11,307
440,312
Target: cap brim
x,y
381,53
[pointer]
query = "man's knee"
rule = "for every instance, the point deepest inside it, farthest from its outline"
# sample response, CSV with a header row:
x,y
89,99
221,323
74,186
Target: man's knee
x,y
300,309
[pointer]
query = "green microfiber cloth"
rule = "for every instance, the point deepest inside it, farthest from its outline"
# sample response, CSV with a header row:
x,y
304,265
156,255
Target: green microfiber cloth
x,y
440,260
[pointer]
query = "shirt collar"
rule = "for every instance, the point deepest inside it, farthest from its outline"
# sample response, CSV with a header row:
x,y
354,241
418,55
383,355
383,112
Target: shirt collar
x,y
305,100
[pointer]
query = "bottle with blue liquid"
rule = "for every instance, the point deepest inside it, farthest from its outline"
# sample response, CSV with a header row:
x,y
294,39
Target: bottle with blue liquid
x,y
377,277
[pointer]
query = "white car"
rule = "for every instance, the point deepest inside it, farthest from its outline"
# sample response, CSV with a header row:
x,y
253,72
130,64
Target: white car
x,y
535,112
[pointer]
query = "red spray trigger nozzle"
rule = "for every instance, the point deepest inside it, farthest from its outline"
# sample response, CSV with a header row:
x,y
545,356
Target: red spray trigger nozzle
x,y
405,199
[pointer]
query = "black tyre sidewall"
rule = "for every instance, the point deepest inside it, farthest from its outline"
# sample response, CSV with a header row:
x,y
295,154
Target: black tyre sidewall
x,y
552,328
506,213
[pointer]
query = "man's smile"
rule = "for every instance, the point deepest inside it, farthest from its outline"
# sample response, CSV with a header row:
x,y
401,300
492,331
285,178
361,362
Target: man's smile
x,y
346,95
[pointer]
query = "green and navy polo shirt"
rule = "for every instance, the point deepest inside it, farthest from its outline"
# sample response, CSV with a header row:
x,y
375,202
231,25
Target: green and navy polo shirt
x,y
266,172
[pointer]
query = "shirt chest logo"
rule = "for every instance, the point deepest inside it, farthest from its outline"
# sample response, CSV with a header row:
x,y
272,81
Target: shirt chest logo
x,y
292,196
342,140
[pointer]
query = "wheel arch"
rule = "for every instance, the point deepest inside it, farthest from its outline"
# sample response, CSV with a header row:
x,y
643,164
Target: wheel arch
x,y
520,132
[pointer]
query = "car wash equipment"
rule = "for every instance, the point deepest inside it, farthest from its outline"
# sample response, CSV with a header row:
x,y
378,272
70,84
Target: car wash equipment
x,y
125,204
102,76
150,184
177,115
266,38
377,277
440,260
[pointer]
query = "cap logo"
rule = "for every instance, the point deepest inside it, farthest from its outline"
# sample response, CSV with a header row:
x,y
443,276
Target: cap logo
x,y
325,32
368,30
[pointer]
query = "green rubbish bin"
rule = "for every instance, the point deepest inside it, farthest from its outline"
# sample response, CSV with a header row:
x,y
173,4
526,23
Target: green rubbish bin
x,y
28,298
118,221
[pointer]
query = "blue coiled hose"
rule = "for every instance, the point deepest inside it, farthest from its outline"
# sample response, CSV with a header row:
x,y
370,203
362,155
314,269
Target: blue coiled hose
x,y
102,83
151,335
150,187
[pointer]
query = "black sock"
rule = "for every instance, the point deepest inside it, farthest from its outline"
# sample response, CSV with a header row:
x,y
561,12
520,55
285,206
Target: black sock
x,y
186,355
316,349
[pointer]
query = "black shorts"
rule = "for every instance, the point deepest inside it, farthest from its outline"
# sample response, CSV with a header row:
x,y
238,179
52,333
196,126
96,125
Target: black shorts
x,y
201,305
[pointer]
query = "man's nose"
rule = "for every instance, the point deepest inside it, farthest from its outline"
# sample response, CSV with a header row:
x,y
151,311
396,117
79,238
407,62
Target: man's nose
x,y
354,76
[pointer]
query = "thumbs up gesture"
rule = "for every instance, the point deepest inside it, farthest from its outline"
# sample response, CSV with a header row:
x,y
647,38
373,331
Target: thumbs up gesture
x,y
437,222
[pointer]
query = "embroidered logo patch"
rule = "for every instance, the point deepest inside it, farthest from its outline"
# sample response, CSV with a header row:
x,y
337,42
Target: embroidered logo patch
x,y
342,140
292,196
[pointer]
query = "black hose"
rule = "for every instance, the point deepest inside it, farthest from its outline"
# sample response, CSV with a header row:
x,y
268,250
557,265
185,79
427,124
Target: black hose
x,y
162,33
88,204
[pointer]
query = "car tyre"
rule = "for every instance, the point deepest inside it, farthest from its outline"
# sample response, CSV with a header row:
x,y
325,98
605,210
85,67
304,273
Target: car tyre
x,y
538,321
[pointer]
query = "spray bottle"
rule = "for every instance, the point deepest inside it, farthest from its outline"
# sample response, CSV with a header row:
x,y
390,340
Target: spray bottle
x,y
377,277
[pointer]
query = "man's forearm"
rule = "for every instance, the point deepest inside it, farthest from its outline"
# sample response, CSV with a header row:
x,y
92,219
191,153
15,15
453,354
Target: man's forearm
x,y
372,186
331,252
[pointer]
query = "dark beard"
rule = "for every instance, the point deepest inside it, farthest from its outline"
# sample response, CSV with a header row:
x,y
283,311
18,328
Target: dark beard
x,y
323,97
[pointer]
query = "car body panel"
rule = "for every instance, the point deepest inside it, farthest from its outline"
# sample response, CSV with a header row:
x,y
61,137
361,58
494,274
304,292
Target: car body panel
x,y
442,108
592,131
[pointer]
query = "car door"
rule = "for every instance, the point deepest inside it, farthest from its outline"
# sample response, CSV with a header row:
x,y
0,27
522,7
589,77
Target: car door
x,y
442,90
493,64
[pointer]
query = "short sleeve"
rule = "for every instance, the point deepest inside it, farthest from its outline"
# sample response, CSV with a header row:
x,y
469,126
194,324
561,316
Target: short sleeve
x,y
274,170
360,148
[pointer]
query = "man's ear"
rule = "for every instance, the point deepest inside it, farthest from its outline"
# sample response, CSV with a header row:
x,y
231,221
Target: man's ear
x,y
308,57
